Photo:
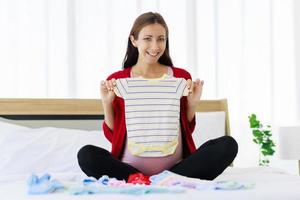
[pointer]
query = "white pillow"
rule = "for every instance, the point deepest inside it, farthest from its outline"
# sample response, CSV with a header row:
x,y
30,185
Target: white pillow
x,y
40,150
209,125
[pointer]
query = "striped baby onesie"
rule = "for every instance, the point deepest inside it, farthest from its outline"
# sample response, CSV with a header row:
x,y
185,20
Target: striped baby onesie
x,y
152,108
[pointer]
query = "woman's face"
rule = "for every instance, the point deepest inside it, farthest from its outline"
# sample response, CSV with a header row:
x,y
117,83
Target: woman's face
x,y
151,43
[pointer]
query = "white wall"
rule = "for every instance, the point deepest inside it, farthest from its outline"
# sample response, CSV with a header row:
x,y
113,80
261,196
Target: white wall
x,y
297,51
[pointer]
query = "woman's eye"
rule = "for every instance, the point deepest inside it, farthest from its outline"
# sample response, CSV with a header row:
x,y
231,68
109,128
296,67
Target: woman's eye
x,y
161,39
147,39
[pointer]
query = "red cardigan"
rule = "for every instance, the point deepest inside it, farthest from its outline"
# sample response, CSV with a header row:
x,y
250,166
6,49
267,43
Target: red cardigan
x,y
118,135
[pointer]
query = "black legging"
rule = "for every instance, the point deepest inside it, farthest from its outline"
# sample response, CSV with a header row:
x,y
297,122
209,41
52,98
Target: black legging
x,y
207,162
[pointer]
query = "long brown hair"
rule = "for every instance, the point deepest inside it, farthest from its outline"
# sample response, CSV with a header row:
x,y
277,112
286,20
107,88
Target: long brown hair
x,y
143,20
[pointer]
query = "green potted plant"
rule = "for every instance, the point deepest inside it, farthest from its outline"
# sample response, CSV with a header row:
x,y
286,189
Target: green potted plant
x,y
262,136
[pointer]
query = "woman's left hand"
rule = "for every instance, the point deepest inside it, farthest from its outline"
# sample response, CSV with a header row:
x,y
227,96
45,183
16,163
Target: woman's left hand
x,y
195,90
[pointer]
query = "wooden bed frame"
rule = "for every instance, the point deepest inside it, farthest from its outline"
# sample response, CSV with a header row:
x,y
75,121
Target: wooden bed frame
x,y
23,109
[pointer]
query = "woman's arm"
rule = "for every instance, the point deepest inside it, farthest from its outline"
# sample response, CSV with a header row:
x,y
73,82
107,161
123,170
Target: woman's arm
x,y
191,110
195,92
108,115
108,95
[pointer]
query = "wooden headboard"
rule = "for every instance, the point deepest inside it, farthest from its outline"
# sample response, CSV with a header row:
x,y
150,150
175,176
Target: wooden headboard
x,y
82,108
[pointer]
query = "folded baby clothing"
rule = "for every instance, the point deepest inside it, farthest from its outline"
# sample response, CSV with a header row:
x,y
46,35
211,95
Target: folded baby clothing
x,y
139,178
106,185
165,182
129,189
43,184
103,181
167,178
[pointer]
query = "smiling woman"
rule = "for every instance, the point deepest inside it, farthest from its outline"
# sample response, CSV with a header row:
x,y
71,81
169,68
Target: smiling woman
x,y
150,119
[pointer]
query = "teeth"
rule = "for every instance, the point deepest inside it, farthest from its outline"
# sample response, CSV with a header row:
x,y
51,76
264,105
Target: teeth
x,y
153,54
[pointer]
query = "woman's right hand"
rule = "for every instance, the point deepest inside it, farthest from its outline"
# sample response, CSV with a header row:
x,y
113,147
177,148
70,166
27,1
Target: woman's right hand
x,y
107,90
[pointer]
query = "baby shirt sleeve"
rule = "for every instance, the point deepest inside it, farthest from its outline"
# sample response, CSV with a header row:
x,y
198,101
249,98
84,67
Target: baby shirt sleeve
x,y
182,89
185,90
120,88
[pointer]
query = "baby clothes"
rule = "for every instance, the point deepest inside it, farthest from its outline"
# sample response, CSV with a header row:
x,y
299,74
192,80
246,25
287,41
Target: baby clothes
x,y
42,185
168,179
152,108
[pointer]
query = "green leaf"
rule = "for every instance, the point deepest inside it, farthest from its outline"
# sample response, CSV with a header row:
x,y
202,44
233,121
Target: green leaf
x,y
257,133
267,132
264,152
260,140
254,123
271,151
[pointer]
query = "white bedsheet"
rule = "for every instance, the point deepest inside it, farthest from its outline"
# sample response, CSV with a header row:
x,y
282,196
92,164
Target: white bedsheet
x,y
269,184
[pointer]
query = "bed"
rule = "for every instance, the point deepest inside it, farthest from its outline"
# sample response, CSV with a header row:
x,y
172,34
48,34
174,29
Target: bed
x,y
44,135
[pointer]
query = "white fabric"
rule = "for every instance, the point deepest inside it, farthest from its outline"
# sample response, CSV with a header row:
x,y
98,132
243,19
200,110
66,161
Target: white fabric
x,y
269,184
209,125
54,150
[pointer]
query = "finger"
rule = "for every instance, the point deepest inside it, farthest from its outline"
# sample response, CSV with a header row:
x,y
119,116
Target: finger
x,y
189,83
111,84
113,81
107,84
103,86
191,87
197,81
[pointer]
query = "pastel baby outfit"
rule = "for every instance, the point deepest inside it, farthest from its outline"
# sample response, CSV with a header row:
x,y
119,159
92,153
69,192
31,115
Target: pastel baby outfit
x,y
117,134
153,165
152,114
43,184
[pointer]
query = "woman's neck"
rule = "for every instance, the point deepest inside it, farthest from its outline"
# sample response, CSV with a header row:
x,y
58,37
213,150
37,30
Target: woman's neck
x,y
149,71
